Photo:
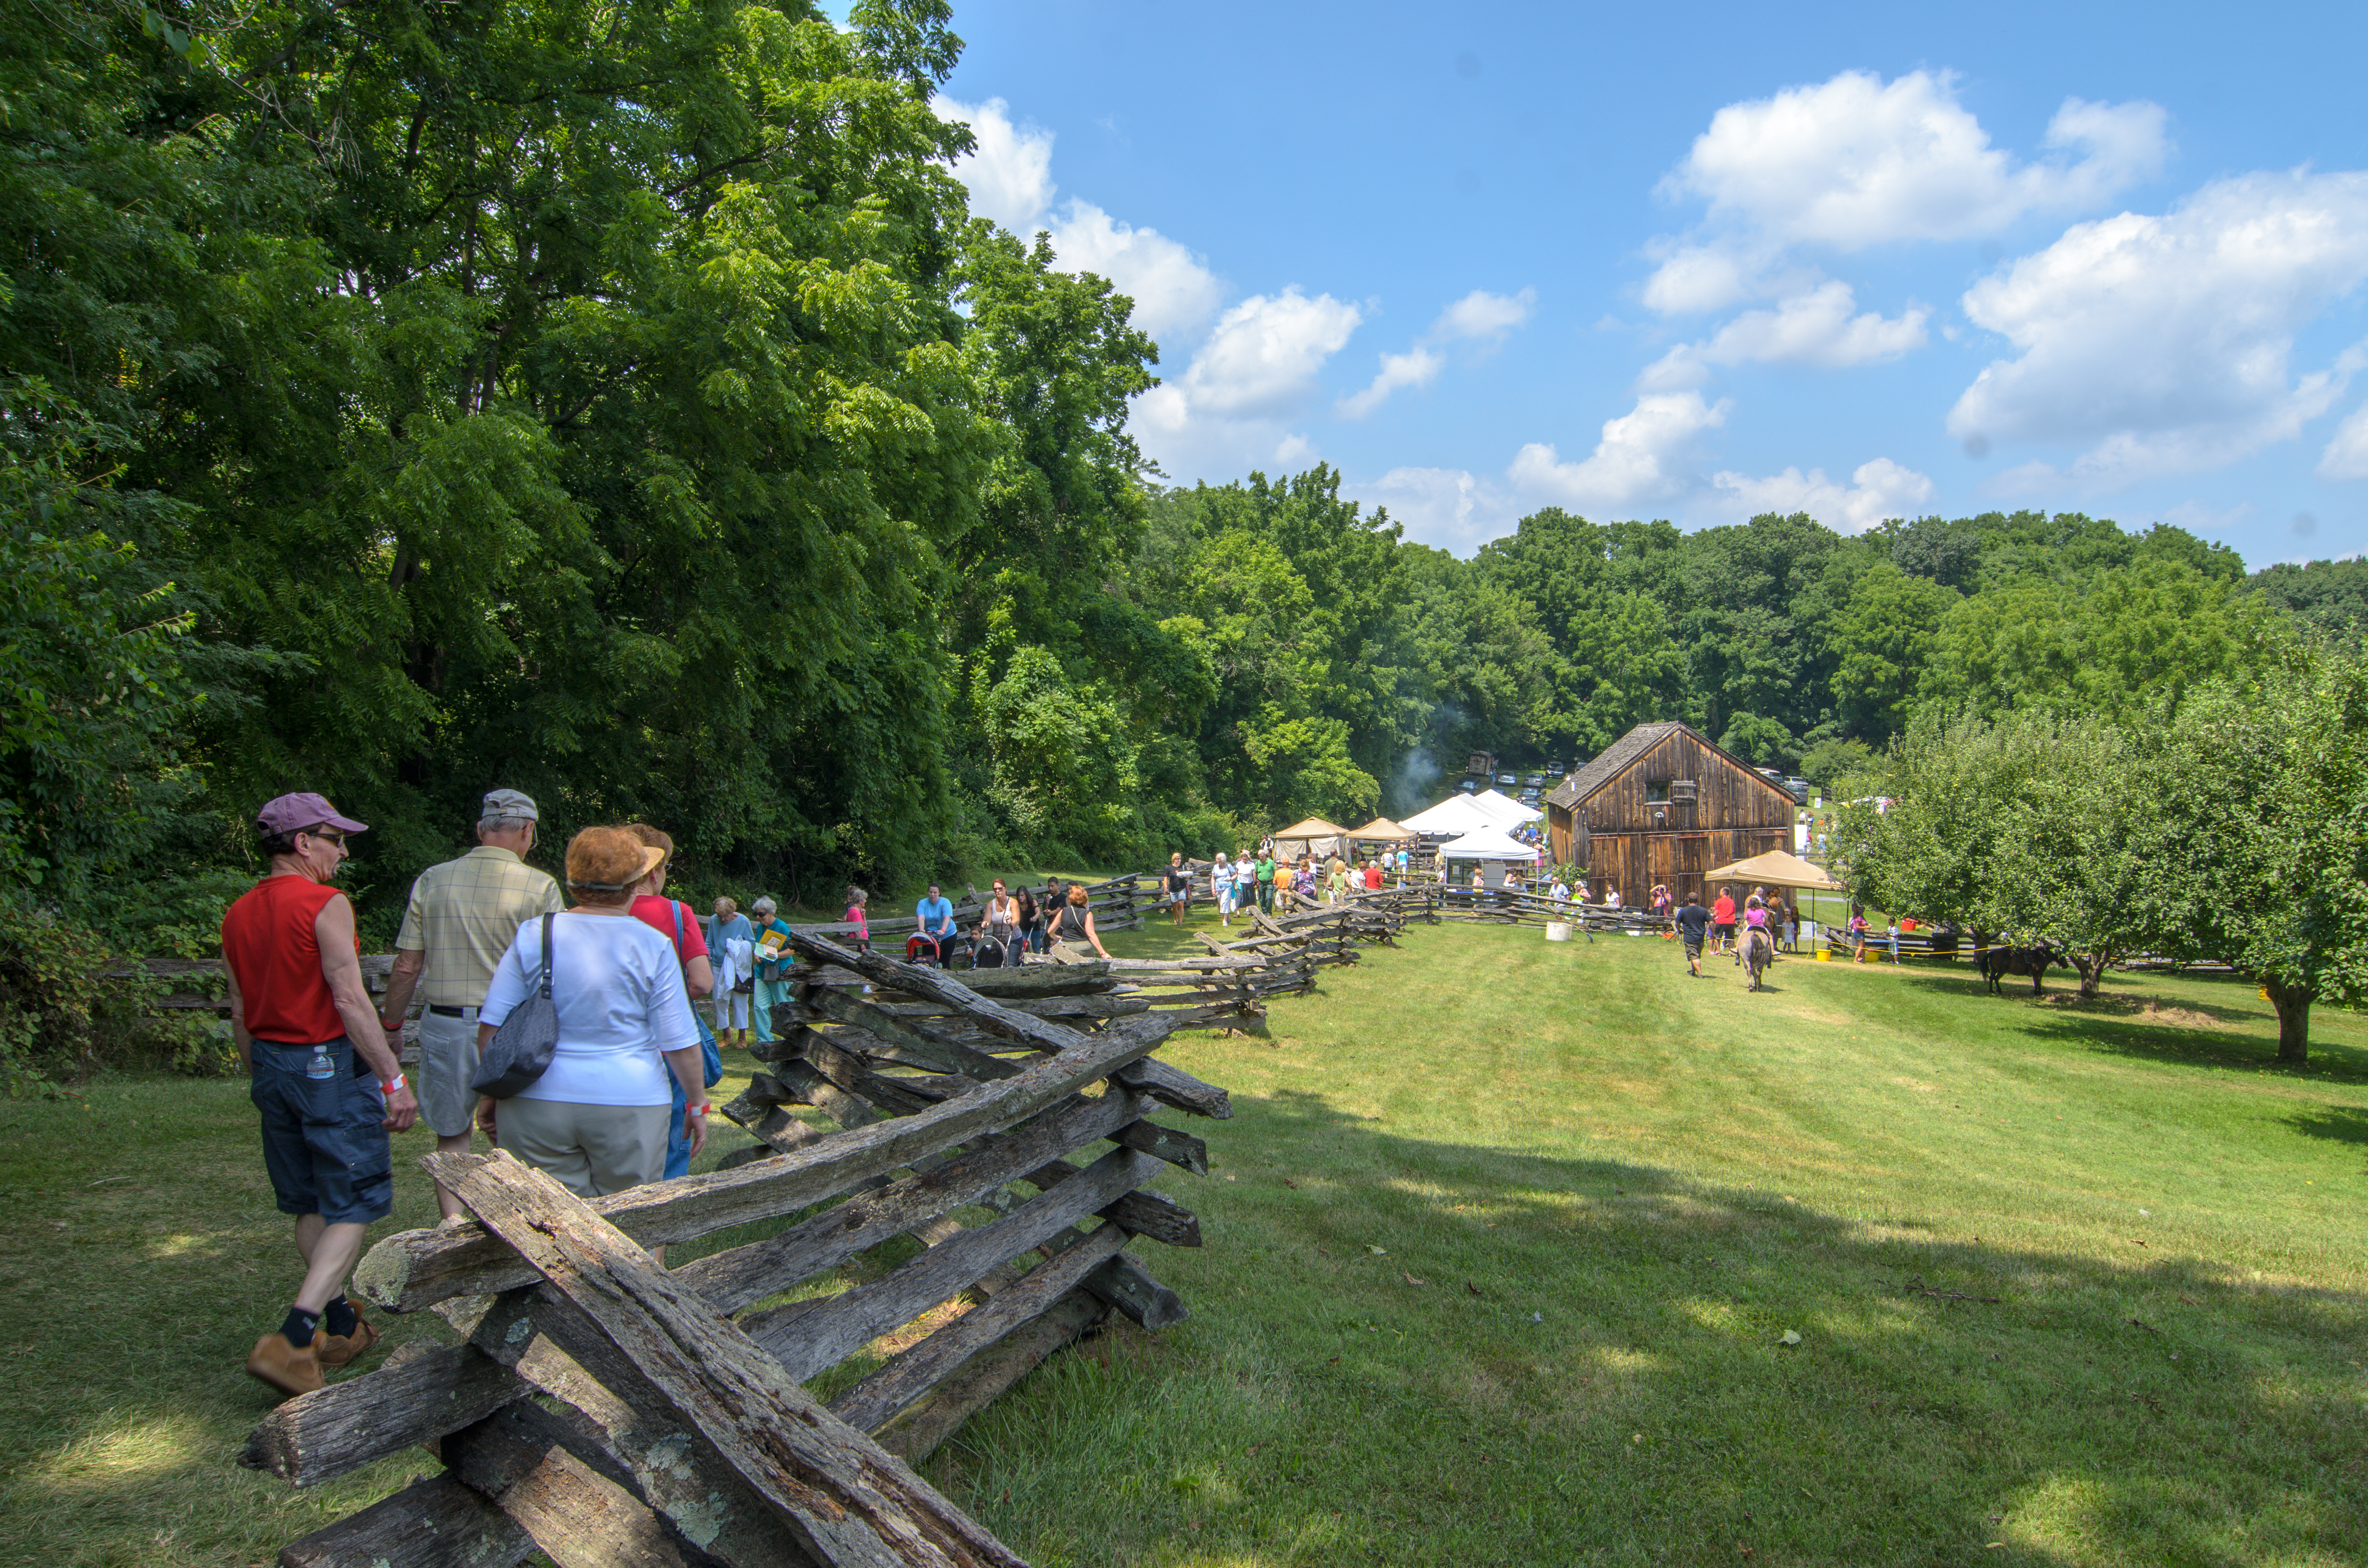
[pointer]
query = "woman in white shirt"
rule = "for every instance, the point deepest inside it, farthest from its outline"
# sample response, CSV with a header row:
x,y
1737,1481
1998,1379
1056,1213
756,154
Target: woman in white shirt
x,y
596,1120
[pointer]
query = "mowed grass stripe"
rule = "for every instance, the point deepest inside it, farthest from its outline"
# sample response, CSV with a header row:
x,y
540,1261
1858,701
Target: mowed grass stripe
x,y
1646,1180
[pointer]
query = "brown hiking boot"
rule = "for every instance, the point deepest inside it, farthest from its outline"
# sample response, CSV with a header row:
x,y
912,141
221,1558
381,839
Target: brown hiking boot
x,y
337,1349
283,1365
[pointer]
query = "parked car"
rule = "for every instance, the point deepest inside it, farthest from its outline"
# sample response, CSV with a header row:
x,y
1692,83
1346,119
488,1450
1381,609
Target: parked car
x,y
1509,779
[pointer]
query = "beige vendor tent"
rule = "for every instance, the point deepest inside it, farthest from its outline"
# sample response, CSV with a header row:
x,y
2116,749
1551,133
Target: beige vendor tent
x,y
1314,836
1382,830
1776,869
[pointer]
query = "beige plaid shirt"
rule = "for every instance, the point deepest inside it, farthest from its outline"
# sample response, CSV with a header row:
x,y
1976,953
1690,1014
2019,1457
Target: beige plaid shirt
x,y
464,914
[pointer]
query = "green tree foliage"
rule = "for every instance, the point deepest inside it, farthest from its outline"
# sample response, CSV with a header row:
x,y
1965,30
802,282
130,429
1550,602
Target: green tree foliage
x,y
2259,844
2327,597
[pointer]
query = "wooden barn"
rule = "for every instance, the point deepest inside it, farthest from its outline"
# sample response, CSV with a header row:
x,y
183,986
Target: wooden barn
x,y
1662,804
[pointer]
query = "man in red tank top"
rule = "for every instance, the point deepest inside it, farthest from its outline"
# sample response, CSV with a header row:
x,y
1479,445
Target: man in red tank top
x,y
321,1075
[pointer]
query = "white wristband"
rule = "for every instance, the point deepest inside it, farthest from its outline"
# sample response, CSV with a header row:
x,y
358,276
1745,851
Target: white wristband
x,y
389,1089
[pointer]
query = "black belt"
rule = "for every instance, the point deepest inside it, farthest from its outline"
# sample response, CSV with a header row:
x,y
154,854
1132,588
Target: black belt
x,y
443,1012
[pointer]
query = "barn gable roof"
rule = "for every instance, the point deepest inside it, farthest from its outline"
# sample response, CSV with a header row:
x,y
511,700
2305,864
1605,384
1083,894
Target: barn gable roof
x,y
1623,753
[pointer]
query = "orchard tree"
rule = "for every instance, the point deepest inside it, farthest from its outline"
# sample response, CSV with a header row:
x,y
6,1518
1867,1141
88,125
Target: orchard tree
x,y
2070,864
2259,846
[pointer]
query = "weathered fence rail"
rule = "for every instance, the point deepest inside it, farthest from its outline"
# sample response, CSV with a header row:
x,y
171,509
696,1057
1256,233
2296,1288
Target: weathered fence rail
x,y
1014,1145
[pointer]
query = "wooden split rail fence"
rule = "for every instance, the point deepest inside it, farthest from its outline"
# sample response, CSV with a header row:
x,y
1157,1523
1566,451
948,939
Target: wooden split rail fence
x,y
674,1427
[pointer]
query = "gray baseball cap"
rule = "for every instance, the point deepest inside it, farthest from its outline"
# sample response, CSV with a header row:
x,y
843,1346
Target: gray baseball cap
x,y
509,803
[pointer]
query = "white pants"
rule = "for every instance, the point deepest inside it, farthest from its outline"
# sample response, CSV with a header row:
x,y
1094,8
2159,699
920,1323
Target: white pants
x,y
731,1011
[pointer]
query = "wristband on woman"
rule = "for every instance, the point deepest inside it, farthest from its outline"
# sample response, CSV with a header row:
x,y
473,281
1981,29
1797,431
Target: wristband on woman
x,y
701,1110
397,1083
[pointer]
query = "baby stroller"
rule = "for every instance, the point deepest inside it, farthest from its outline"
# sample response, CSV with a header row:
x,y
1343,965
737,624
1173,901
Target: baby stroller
x,y
925,951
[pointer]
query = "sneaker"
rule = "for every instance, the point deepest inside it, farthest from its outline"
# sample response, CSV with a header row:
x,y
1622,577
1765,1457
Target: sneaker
x,y
337,1349
291,1371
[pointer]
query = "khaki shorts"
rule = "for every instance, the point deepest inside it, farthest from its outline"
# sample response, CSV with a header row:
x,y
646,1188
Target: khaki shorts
x,y
447,1060
590,1150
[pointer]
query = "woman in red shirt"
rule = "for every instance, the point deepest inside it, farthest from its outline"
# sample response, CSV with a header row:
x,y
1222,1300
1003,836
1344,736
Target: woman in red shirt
x,y
675,922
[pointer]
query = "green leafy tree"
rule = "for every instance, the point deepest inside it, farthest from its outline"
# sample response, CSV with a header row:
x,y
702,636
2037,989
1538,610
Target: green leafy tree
x,y
1880,645
2260,840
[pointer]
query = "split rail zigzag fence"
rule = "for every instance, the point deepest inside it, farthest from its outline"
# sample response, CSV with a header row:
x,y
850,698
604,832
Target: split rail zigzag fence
x,y
1001,1120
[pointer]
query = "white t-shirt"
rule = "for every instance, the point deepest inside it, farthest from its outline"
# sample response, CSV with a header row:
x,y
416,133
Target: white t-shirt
x,y
617,988
1246,873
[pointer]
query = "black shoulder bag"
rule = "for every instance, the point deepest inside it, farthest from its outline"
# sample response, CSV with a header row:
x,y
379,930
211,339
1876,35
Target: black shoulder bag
x,y
520,1050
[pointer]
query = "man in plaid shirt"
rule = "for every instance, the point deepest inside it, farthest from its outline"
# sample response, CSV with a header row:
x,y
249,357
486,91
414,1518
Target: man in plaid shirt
x,y
462,916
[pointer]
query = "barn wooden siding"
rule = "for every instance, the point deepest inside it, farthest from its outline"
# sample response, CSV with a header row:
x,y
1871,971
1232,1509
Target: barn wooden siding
x,y
1636,843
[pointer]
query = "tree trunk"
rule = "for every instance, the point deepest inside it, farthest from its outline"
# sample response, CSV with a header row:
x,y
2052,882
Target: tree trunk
x,y
2091,970
2293,1003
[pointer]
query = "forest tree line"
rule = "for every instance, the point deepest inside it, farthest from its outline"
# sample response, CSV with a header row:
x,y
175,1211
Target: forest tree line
x,y
622,405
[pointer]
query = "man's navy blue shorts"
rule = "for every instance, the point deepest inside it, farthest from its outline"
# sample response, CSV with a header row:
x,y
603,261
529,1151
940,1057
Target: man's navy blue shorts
x,y
323,1139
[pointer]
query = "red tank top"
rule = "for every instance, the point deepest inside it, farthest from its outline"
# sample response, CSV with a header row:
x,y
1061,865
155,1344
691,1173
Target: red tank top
x,y
274,954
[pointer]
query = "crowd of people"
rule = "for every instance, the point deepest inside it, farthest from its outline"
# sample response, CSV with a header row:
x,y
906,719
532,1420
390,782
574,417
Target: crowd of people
x,y
619,1098
1765,915
1273,881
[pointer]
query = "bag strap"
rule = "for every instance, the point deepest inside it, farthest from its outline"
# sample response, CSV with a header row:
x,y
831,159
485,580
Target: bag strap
x,y
546,956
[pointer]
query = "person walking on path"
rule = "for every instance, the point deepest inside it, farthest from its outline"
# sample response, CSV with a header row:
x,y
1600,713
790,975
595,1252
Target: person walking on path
x,y
1075,921
731,945
1221,889
597,1120
1266,881
302,1022
675,922
772,986
1858,933
1694,926
1722,923
1245,884
1179,889
1336,880
462,918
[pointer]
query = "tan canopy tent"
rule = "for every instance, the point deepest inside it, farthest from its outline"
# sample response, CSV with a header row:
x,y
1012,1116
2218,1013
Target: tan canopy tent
x,y
1777,869
1381,829
1314,836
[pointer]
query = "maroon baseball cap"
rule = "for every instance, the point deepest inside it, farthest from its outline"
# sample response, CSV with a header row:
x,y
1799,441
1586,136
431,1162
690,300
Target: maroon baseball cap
x,y
292,814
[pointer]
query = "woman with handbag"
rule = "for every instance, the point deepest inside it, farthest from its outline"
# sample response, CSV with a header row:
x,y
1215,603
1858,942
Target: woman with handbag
x,y
599,998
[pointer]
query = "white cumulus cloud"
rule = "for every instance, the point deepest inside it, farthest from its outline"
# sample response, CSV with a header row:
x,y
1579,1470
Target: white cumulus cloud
x,y
1640,457
1821,327
1449,507
1010,177
1173,290
1009,173
2347,454
1256,370
2167,341
1479,318
1856,162
1877,490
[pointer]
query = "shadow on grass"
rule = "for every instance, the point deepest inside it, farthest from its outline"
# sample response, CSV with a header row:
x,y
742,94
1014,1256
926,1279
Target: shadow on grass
x,y
2244,1038
1416,1351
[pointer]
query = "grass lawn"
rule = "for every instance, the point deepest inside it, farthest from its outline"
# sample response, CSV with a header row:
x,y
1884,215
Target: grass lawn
x,y
1505,1238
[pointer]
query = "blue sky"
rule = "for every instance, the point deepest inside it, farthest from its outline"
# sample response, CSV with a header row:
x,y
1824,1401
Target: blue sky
x,y
1700,262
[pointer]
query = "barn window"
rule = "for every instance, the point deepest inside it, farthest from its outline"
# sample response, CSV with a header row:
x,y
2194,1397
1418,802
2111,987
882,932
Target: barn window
x,y
1656,791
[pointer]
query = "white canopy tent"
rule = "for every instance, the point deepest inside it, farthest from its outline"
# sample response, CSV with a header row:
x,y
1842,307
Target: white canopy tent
x,y
1453,816
1493,848
1490,843
1504,809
